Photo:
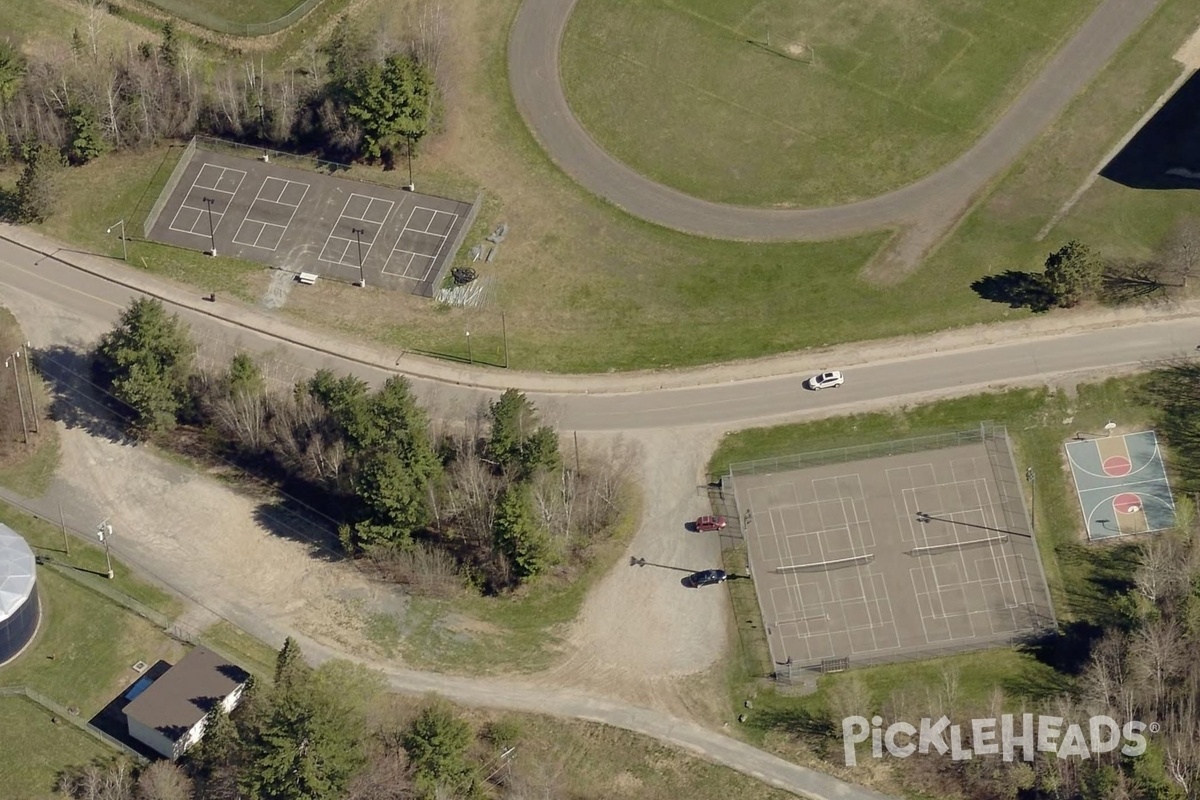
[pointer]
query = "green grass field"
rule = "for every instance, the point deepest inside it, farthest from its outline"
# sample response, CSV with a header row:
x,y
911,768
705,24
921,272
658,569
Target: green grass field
x,y
693,95
30,761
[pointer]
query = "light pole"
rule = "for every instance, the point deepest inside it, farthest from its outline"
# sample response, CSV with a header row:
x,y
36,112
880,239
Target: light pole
x,y
124,248
362,279
411,186
212,231
1031,476
104,533
470,357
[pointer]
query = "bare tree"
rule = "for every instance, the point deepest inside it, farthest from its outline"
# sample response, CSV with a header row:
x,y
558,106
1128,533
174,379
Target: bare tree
x,y
99,781
1157,657
1161,573
1180,251
95,15
163,780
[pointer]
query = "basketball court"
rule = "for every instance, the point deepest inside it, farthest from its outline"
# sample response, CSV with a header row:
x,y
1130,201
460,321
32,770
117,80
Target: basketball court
x,y
876,560
311,222
1122,485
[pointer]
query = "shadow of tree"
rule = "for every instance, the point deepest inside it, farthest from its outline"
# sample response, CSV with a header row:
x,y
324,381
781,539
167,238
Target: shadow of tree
x,y
1128,282
289,519
8,205
794,721
75,400
1017,289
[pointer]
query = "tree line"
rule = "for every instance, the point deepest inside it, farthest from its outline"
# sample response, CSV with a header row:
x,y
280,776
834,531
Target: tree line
x,y
358,95
488,503
327,733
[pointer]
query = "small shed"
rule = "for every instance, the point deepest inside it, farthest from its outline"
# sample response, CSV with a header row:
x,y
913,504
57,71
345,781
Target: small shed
x,y
169,715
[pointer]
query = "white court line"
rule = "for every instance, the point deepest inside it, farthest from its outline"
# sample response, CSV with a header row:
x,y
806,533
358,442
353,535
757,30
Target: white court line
x,y
202,212
330,237
196,180
433,258
1001,557
264,223
370,202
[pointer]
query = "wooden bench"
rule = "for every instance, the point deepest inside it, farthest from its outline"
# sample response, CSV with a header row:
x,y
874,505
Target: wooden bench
x,y
307,278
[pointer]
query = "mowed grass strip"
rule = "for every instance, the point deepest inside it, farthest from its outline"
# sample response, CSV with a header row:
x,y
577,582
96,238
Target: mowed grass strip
x,y
800,103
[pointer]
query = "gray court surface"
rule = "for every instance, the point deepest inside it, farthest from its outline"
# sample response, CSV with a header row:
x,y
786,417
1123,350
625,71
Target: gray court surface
x,y
876,560
311,222
1122,485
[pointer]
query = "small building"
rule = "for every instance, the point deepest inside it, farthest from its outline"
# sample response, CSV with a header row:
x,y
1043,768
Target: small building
x,y
169,715
20,611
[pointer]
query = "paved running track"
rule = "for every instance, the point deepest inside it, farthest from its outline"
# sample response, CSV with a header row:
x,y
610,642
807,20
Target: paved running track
x,y
935,200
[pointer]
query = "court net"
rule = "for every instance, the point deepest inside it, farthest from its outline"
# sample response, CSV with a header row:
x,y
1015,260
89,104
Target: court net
x,y
822,566
961,544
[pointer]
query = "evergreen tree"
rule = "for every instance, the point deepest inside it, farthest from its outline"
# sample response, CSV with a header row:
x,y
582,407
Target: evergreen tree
x,y
1072,273
169,49
145,362
290,669
517,533
84,141
12,70
437,742
308,742
35,189
517,443
390,102
394,464
244,376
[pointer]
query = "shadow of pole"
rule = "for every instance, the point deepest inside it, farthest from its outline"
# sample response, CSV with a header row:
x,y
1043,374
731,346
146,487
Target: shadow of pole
x,y
641,562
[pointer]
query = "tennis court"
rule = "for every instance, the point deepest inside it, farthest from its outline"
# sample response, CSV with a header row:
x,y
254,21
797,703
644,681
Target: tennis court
x,y
880,559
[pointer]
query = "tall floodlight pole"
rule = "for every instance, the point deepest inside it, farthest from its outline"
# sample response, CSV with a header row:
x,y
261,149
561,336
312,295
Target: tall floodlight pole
x,y
470,357
20,400
362,278
29,380
212,231
104,533
124,247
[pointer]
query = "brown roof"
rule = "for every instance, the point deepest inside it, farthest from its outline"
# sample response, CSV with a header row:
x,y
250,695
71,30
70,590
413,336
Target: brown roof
x,y
186,692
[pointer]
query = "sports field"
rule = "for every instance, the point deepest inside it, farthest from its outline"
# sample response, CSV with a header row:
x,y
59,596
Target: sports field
x,y
801,102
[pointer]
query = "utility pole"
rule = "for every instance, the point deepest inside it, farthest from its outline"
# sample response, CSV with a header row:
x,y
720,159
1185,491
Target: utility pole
x,y
20,400
212,230
362,279
470,357
29,380
104,533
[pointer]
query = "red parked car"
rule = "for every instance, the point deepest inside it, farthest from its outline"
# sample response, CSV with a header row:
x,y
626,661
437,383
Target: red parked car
x,y
710,523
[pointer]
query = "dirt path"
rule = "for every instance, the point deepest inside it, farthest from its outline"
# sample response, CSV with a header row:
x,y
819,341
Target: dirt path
x,y
640,631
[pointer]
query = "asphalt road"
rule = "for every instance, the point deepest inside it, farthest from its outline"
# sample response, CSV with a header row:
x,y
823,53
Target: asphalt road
x,y
533,66
728,405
